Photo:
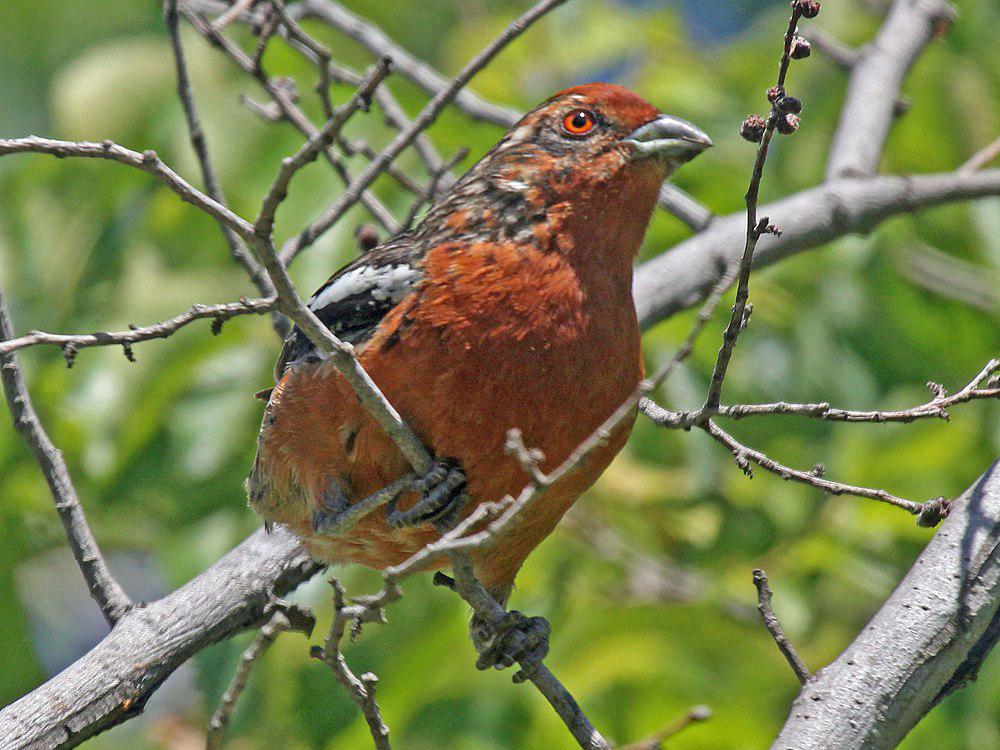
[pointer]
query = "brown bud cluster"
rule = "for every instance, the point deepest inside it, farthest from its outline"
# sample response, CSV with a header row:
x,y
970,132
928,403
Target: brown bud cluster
x,y
753,128
774,93
801,48
806,8
789,104
788,124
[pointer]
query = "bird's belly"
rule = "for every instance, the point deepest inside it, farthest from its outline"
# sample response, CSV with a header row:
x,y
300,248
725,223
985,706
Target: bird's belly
x,y
461,400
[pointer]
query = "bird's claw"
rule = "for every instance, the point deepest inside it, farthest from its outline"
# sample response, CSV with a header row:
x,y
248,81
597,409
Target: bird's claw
x,y
443,493
516,638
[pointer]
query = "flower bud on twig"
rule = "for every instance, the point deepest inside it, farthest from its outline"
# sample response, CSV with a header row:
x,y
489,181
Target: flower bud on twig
x,y
753,128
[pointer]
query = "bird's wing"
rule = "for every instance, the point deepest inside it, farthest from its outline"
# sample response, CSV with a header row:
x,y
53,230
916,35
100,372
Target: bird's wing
x,y
355,299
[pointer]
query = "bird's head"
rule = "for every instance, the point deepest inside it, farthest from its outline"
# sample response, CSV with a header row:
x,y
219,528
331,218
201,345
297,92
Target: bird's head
x,y
599,129
591,158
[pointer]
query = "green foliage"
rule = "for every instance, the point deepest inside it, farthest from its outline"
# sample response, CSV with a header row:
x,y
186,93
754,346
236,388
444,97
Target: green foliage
x,y
159,448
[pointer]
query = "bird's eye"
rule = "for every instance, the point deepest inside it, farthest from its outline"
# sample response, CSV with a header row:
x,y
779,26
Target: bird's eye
x,y
579,122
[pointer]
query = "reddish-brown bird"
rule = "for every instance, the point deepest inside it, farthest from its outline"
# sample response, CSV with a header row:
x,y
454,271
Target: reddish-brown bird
x,y
510,305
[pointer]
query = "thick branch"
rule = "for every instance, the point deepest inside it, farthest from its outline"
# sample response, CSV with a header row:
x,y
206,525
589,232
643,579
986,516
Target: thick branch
x,y
113,681
876,78
940,614
685,274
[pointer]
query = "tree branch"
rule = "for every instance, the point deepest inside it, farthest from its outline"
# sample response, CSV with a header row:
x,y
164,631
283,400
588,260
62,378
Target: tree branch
x,y
773,626
683,275
113,681
938,623
103,587
876,78
74,341
379,44
197,135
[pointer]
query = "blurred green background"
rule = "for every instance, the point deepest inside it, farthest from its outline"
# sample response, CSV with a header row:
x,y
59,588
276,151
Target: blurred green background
x,y
159,448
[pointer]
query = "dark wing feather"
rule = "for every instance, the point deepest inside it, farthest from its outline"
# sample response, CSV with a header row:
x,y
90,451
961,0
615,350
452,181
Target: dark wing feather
x,y
355,299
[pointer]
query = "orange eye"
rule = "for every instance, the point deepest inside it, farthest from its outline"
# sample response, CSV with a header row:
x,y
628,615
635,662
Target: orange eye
x,y
579,122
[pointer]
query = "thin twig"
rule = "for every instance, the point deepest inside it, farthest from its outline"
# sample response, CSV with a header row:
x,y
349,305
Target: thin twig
x,y
291,112
743,454
237,9
361,689
755,229
148,161
103,587
981,158
317,143
935,408
219,722
774,628
656,740
406,136
379,44
217,313
197,135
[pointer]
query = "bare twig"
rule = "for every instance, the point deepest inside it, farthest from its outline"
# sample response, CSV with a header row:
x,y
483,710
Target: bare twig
x,y
361,689
491,612
935,408
744,454
217,313
379,44
104,589
656,740
237,9
774,628
406,136
317,143
754,228
286,105
197,135
219,722
147,161
981,158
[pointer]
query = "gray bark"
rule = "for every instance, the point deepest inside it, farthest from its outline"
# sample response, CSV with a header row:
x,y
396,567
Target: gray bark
x,y
113,681
929,637
684,275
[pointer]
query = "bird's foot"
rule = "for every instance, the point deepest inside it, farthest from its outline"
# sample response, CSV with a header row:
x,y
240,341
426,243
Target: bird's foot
x,y
443,494
335,516
516,638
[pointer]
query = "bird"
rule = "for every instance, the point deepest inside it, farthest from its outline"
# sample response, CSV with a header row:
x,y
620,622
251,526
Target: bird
x,y
508,306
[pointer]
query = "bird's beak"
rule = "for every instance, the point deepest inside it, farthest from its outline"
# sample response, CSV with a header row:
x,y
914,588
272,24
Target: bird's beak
x,y
668,137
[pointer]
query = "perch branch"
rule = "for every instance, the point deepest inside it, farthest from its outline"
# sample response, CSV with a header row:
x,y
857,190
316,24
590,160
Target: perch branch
x,y
935,629
103,587
773,626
